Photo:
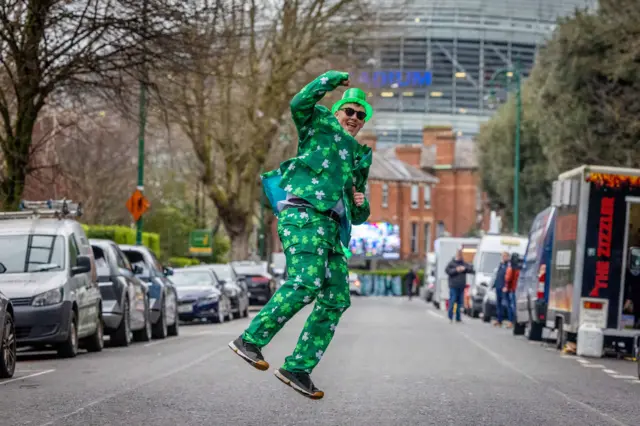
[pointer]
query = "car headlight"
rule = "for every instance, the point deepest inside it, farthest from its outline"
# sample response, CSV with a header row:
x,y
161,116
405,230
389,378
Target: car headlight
x,y
48,298
210,298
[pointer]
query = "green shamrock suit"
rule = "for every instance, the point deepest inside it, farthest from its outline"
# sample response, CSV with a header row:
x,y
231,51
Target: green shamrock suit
x,y
329,163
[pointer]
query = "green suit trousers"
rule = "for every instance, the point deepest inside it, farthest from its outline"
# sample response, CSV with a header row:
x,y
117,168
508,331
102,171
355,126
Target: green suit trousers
x,y
317,270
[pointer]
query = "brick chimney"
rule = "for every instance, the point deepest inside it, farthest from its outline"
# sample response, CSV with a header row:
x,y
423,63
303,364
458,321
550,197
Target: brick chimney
x,y
368,139
409,154
444,140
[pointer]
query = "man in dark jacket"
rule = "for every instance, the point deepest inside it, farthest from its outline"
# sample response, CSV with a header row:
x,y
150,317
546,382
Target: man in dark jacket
x,y
457,270
409,280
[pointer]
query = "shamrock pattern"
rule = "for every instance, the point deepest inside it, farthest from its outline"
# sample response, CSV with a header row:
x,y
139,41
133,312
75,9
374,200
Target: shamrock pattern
x,y
316,267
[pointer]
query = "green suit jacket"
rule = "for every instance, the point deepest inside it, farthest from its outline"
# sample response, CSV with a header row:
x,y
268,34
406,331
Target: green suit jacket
x,y
329,160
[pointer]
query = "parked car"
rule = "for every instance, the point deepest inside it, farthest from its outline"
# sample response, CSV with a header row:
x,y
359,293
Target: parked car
x,y
235,288
355,286
200,295
50,277
163,297
8,347
260,283
125,300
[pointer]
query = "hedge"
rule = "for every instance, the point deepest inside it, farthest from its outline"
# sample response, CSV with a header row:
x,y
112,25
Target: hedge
x,y
181,262
123,235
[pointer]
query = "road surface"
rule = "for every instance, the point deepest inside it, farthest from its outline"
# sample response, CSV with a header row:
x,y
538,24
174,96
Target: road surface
x,y
392,362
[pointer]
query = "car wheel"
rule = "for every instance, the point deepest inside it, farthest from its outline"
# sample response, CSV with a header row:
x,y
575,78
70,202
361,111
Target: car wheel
x,y
485,316
160,328
8,351
69,349
229,314
245,313
174,329
221,316
123,336
144,335
518,329
95,342
560,339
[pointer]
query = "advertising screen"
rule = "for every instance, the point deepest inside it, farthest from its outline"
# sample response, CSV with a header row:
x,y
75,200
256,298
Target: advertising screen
x,y
375,239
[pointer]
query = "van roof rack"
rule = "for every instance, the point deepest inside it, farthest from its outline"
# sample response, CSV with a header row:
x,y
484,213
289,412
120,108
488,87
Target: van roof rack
x,y
58,209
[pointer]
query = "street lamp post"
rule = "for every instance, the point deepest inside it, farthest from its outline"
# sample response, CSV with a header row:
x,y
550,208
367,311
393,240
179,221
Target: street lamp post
x,y
262,233
512,79
142,122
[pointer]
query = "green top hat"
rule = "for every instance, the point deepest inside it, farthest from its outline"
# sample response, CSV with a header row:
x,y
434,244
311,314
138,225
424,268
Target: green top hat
x,y
354,96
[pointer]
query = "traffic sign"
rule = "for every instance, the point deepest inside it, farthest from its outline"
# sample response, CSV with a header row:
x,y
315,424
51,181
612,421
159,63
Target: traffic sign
x,y
200,242
137,204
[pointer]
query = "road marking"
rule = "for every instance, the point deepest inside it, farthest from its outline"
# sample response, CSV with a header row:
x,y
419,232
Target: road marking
x,y
433,314
610,371
507,364
625,377
565,356
148,382
635,382
593,365
27,377
583,361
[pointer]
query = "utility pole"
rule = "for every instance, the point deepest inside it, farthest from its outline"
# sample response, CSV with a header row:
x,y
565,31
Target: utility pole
x,y
142,119
512,79
262,233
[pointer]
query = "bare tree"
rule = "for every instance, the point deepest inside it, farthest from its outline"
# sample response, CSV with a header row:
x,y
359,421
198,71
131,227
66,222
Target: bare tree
x,y
53,49
233,101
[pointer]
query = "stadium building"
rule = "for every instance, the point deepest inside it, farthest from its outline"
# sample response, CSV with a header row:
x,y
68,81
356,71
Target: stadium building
x,y
433,66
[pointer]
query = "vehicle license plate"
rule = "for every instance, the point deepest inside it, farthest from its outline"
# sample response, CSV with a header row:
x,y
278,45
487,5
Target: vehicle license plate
x,y
185,309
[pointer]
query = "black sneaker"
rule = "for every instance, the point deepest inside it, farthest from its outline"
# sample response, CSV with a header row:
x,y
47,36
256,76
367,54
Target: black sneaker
x,y
301,382
250,353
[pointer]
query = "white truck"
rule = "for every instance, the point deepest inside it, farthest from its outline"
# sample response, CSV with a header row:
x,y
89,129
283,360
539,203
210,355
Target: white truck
x,y
595,266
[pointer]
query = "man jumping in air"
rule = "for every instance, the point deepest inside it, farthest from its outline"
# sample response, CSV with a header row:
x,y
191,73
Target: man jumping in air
x,y
317,195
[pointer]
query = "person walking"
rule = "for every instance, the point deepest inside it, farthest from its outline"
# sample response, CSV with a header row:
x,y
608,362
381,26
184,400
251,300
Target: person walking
x,y
409,282
501,290
511,284
317,196
457,270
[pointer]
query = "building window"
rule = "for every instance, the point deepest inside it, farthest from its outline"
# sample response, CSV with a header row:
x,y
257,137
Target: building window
x,y
440,229
415,194
427,196
414,237
427,237
385,195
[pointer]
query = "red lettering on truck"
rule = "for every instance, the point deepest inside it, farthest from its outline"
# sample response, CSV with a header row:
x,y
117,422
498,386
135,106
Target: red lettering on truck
x,y
604,246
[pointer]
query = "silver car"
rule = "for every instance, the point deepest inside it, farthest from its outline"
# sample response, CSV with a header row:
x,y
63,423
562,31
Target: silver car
x,y
50,277
7,338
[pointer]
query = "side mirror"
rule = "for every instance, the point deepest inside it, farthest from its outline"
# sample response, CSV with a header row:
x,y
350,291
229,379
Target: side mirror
x,y
137,269
483,284
168,271
83,265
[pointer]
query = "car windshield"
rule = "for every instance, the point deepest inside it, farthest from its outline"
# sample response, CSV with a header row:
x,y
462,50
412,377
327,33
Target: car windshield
x,y
191,278
489,262
223,272
32,253
102,265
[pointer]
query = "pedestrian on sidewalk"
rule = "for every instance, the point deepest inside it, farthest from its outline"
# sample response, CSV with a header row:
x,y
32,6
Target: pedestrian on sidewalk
x,y
511,284
457,270
501,290
317,195
410,281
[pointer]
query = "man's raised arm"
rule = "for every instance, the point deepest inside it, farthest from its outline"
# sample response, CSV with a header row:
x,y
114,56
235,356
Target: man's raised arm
x,y
304,102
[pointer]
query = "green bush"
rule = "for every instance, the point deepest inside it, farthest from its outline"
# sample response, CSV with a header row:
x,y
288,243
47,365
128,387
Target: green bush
x,y
122,235
181,262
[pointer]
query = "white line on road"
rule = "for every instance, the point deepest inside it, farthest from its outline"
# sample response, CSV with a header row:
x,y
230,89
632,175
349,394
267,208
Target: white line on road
x,y
566,356
593,365
148,382
582,361
624,377
635,382
506,363
433,314
610,371
27,377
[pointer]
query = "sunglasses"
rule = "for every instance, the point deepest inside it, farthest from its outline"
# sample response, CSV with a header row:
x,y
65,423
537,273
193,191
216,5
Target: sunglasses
x,y
350,111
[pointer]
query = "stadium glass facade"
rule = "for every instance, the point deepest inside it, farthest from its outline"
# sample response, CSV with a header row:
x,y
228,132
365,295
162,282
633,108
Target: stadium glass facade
x,y
433,66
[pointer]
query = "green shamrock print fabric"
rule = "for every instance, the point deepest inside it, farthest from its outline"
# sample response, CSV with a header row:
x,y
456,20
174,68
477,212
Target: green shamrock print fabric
x,y
317,271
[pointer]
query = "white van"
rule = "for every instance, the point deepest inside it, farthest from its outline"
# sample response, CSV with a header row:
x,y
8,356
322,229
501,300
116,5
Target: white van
x,y
487,260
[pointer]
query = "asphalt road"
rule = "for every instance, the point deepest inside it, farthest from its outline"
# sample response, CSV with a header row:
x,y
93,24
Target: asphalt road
x,y
392,362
